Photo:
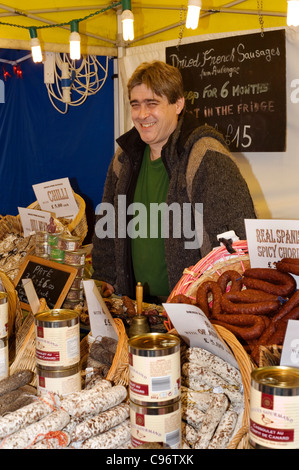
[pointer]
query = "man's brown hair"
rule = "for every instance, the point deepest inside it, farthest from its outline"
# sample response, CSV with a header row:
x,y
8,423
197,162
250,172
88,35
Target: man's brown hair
x,y
161,78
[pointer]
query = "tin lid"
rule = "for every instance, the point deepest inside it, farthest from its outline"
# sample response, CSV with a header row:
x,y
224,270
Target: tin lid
x,y
56,315
277,376
69,238
154,341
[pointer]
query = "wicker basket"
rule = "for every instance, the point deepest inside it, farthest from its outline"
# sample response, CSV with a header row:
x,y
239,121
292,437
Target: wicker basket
x,y
78,226
15,316
119,370
210,268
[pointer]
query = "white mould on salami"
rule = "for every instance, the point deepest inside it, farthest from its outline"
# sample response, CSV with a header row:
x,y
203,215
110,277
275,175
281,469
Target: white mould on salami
x,y
94,403
101,422
111,439
35,432
24,416
216,364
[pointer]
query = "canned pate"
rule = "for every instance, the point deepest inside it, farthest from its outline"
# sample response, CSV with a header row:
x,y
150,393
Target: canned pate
x,y
161,424
75,258
274,408
3,314
61,381
68,242
57,338
154,369
4,358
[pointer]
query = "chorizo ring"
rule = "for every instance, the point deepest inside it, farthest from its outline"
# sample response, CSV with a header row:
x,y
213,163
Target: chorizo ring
x,y
287,307
181,299
269,280
288,265
208,298
247,327
250,302
227,277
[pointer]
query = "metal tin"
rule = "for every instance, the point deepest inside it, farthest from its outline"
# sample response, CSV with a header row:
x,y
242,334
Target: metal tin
x,y
68,242
75,294
3,314
42,250
80,269
4,358
274,408
77,283
57,338
154,369
41,237
71,304
56,254
53,237
76,258
60,381
160,424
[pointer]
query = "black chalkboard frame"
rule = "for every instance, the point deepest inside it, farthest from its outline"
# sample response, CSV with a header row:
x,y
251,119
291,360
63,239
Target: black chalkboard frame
x,y
62,289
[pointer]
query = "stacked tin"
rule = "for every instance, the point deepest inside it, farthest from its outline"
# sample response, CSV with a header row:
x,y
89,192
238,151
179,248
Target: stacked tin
x,y
46,245
155,389
4,362
74,255
57,351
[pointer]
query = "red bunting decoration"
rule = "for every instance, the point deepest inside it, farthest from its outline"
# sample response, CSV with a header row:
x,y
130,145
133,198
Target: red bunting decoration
x,y
5,73
18,71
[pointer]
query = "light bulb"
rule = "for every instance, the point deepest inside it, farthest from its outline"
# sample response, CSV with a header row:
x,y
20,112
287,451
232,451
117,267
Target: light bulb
x,y
75,39
127,20
293,13
35,46
194,7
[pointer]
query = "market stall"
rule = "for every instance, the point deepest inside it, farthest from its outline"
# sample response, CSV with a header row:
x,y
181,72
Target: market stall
x,y
78,375
206,369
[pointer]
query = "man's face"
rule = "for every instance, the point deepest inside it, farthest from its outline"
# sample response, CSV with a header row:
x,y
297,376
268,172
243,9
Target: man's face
x,y
154,118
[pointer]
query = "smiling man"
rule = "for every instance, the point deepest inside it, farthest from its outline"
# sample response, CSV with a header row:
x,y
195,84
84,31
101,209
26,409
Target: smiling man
x,y
166,160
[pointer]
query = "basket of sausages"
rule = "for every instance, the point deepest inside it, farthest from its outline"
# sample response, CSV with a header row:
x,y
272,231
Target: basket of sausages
x,y
255,304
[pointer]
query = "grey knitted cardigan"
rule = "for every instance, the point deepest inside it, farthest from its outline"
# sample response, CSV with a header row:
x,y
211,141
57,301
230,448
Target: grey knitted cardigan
x,y
201,170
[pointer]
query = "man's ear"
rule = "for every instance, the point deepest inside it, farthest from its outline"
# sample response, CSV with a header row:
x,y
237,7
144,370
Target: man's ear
x,y
180,103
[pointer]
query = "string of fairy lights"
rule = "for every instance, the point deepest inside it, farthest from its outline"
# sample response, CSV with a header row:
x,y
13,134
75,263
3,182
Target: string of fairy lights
x,y
127,20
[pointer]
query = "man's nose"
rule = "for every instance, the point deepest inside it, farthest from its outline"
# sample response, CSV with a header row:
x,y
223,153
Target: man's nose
x,y
143,111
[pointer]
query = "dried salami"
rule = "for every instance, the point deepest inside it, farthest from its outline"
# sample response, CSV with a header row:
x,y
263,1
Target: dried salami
x,y
111,439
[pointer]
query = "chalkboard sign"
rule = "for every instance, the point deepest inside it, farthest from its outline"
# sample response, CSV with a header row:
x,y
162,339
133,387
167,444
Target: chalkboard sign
x,y
50,279
238,85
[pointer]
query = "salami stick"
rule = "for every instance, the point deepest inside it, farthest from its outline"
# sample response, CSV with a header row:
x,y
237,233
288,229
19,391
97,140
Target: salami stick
x,y
111,439
16,380
101,422
212,417
204,358
24,416
192,415
35,432
96,403
224,430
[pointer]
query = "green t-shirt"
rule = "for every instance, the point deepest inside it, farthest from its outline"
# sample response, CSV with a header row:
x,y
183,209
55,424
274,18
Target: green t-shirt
x,y
148,252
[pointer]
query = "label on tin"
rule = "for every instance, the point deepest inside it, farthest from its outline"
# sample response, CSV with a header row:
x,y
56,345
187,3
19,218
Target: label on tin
x,y
274,420
3,319
162,428
57,347
155,379
60,385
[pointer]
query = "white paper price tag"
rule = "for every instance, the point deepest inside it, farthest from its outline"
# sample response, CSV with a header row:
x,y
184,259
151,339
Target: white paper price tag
x,y
57,196
196,330
33,220
290,350
101,321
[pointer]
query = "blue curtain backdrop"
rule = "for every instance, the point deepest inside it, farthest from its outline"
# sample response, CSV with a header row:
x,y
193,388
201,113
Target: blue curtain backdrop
x,y
37,143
